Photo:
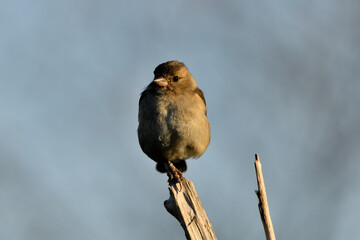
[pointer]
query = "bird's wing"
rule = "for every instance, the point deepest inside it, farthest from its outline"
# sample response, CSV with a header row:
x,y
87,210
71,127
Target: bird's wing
x,y
142,96
200,93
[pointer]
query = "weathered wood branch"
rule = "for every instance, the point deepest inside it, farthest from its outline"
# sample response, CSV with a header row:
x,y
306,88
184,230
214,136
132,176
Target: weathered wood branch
x,y
263,204
184,204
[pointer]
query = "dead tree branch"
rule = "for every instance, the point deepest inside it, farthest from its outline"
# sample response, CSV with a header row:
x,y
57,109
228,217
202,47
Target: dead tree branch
x,y
263,204
184,204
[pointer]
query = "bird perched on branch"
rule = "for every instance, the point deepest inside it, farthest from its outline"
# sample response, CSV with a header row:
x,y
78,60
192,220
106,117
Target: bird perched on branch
x,y
173,125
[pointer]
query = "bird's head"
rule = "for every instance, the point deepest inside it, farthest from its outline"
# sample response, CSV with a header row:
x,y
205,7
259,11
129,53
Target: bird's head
x,y
173,76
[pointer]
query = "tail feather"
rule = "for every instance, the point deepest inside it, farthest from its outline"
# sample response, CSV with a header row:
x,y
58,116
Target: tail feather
x,y
180,165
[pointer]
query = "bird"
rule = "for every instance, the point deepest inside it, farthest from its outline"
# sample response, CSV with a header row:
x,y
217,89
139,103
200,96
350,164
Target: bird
x,y
173,124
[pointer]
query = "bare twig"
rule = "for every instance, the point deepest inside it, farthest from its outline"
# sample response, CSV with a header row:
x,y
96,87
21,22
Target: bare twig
x,y
184,204
263,204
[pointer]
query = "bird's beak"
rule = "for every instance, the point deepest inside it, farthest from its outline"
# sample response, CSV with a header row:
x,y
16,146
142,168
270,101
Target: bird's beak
x,y
162,82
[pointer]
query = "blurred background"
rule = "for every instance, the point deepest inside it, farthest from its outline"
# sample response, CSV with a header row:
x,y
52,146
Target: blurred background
x,y
280,78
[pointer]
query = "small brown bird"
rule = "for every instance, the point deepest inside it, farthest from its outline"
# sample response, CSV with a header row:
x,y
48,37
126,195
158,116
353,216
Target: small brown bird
x,y
173,125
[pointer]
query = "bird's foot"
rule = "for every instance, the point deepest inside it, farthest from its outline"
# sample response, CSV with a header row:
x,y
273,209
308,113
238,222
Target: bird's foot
x,y
173,173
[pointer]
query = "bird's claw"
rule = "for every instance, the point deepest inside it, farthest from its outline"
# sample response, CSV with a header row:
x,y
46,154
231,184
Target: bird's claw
x,y
175,176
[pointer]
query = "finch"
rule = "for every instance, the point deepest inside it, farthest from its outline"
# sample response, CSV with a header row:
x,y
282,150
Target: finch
x,y
173,124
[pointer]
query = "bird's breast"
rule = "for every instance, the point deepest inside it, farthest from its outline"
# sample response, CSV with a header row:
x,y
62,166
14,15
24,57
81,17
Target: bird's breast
x,y
173,127
183,125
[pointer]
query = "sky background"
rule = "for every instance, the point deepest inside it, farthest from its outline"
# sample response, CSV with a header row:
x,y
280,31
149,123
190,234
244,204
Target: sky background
x,y
281,78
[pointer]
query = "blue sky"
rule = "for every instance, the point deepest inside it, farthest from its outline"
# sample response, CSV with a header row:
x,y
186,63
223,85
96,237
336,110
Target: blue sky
x,y
280,79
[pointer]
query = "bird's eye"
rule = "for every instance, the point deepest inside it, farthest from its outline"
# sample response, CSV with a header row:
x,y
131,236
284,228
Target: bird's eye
x,y
176,78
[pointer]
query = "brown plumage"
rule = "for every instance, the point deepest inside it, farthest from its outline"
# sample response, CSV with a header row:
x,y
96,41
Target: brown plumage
x,y
173,125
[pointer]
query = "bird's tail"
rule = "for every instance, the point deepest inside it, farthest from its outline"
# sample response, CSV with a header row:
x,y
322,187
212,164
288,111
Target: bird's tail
x,y
180,165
